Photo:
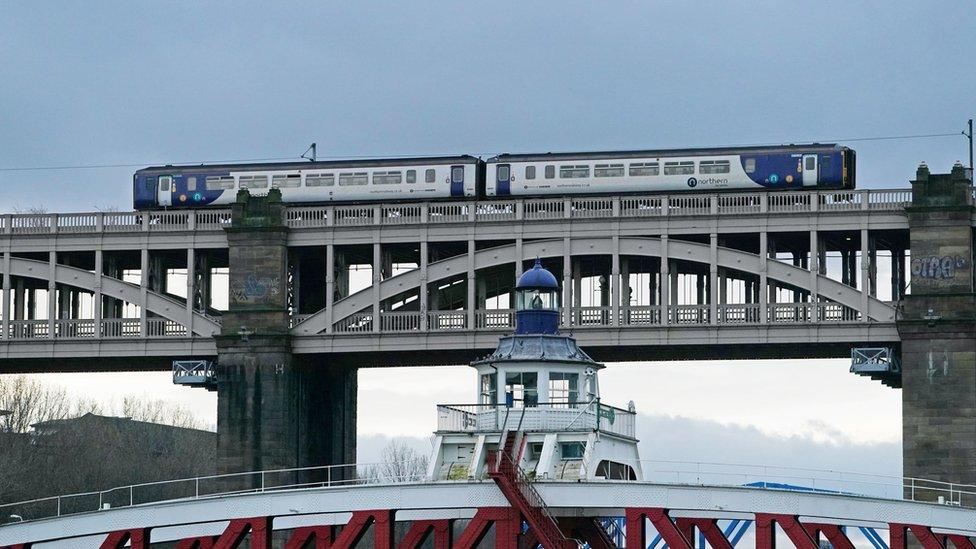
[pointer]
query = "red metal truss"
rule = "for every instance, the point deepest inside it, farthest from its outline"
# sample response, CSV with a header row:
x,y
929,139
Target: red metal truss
x,y
312,537
677,533
17,546
708,527
420,529
507,521
137,538
202,542
898,534
380,519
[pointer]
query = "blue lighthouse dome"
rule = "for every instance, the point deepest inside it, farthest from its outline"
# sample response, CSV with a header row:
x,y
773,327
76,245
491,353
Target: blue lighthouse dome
x,y
537,302
537,277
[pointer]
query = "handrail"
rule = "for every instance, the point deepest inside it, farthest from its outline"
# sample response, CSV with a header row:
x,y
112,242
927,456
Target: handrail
x,y
700,473
733,203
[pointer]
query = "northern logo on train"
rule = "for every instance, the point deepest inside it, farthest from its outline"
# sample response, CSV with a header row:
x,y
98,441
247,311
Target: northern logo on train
x,y
692,182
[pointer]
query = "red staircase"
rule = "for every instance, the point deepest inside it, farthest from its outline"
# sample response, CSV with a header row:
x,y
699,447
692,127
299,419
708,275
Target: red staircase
x,y
523,496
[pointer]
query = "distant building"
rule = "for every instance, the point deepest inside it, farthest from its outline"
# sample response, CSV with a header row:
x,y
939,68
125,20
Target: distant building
x,y
94,452
155,438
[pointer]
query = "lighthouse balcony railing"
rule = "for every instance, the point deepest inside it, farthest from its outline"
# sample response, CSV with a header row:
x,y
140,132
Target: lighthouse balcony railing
x,y
547,417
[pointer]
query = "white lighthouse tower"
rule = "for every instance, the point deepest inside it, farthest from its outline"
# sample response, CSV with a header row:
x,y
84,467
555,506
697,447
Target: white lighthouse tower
x,y
540,386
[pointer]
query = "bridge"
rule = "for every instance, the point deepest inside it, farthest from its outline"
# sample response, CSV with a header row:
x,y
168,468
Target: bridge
x,y
685,506
738,275
739,253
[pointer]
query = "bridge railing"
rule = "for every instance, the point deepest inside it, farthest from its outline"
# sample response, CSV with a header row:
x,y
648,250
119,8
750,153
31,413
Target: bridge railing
x,y
811,479
542,416
325,476
111,328
528,209
600,317
757,476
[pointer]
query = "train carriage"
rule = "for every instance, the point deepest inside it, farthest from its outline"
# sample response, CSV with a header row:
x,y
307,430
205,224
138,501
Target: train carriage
x,y
748,168
816,166
382,180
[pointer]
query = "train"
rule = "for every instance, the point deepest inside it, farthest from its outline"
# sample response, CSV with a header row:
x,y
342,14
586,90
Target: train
x,y
786,167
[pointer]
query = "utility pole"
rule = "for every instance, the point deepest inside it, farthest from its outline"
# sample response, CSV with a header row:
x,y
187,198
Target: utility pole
x,y
970,136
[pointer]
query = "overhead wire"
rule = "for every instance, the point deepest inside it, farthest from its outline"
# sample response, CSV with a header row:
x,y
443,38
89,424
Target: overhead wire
x,y
374,157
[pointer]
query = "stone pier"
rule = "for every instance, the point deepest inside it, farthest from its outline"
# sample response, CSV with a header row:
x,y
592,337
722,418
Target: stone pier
x,y
937,326
275,410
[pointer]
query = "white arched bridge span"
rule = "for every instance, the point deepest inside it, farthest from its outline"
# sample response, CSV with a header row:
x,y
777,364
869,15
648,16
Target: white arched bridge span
x,y
674,277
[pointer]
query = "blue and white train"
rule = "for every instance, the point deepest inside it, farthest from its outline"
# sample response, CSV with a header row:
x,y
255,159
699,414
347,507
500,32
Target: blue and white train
x,y
458,177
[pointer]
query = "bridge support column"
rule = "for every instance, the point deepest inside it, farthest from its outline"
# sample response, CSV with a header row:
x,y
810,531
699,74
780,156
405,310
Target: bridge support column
x,y
274,411
5,329
937,326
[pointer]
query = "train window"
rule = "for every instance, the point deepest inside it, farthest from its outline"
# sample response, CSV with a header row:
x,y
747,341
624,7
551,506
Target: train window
x,y
350,178
609,170
430,176
824,163
750,165
411,176
550,172
811,162
320,180
254,181
679,168
387,178
164,182
504,172
639,169
289,180
714,166
457,174
191,183
217,183
530,172
574,172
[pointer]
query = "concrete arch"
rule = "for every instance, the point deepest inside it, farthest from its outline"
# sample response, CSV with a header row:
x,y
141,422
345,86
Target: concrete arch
x,y
159,304
677,249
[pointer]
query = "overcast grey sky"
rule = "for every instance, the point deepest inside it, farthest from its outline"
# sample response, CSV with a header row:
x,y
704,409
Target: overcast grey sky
x,y
85,83
138,82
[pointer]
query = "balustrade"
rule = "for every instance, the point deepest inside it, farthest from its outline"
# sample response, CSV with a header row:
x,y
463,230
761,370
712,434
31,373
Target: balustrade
x,y
531,209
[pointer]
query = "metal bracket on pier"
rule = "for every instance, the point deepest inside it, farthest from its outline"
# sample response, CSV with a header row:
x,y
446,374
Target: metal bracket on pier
x,y
879,363
195,373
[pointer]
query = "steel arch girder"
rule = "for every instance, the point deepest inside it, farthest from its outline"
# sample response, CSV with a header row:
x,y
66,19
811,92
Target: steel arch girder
x,y
159,304
639,246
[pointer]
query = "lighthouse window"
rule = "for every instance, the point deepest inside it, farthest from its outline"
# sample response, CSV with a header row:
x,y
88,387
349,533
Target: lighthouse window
x,y
489,391
572,450
522,389
535,299
563,389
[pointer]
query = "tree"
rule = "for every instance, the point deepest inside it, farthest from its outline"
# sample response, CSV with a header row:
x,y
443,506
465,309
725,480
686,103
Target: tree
x,y
30,402
398,463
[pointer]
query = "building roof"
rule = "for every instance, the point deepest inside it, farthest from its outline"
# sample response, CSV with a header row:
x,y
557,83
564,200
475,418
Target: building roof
x,y
90,418
537,347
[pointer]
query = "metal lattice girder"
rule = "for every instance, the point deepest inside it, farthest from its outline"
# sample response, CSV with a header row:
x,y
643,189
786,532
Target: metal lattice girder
x,y
870,360
195,373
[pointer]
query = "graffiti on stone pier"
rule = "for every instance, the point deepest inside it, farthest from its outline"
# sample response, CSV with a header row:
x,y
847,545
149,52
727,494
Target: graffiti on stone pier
x,y
938,268
254,288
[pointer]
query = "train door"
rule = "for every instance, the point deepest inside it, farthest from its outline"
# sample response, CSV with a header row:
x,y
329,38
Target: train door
x,y
457,180
810,170
164,194
503,185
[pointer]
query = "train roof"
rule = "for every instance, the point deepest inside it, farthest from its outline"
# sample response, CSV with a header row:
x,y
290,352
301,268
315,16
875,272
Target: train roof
x,y
326,164
707,151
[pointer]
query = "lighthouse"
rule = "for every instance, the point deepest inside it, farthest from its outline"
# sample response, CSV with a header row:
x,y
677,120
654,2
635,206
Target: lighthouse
x,y
539,384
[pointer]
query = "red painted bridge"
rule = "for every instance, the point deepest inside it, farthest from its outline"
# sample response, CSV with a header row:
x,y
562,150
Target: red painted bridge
x,y
478,514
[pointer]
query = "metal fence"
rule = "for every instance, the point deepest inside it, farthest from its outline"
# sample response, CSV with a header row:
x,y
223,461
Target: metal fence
x,y
528,209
